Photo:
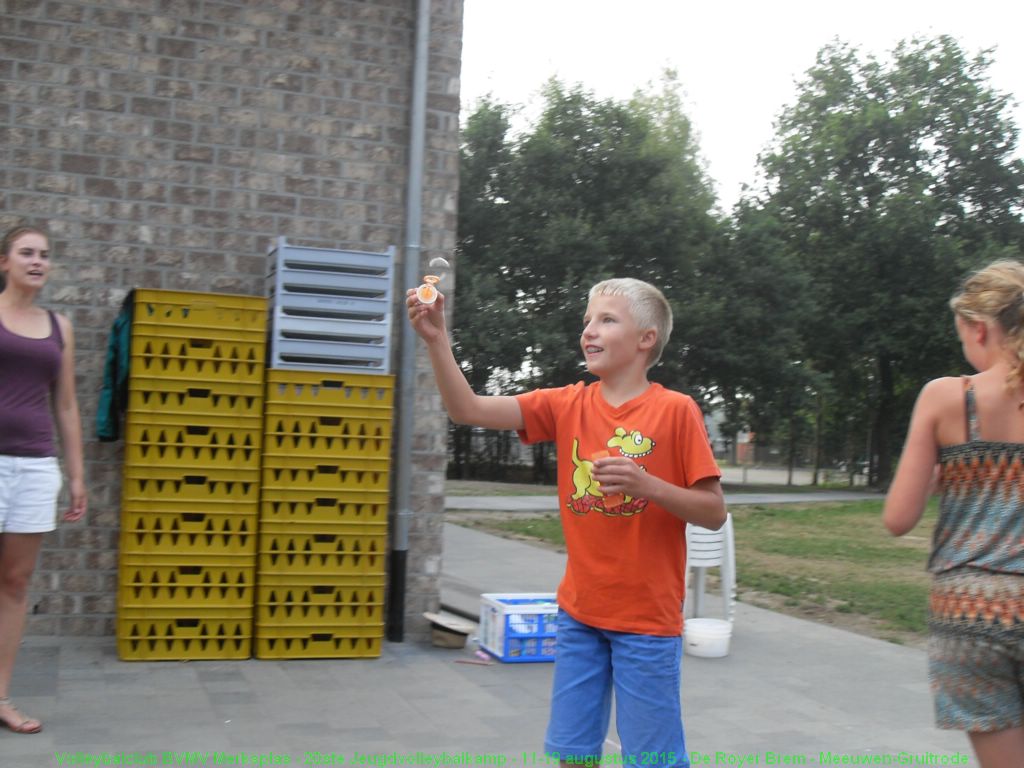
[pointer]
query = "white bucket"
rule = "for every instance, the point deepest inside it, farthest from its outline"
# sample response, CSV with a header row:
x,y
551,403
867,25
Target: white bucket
x,y
708,638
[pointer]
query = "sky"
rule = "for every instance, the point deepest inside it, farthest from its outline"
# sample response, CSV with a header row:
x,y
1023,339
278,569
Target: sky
x,y
737,61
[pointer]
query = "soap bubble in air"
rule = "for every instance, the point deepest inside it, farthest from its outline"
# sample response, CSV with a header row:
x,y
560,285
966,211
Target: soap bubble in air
x,y
439,269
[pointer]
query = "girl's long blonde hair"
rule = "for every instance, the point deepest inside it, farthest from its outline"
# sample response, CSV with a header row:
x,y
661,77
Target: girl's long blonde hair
x,y
996,294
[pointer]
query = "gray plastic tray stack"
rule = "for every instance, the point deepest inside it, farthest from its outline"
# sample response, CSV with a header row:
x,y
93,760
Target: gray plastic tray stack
x,y
330,310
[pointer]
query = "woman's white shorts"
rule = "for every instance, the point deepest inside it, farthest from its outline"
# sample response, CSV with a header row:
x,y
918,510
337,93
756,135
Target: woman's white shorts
x,y
28,494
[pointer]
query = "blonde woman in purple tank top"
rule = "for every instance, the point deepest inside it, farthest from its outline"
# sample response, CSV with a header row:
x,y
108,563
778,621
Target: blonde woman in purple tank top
x,y
967,438
37,392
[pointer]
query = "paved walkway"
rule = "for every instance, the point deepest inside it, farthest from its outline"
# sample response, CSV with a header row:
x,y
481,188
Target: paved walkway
x,y
788,686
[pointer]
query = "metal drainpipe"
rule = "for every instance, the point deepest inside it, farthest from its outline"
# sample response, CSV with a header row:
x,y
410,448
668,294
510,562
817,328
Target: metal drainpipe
x,y
407,366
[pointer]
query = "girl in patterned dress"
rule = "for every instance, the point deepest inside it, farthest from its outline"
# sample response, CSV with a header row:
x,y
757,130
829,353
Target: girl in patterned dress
x,y
967,436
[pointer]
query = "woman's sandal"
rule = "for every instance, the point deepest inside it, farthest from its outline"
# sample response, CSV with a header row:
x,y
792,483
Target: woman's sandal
x,y
24,725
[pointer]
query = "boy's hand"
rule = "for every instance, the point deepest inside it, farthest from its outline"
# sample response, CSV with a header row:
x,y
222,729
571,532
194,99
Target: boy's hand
x,y
427,319
617,474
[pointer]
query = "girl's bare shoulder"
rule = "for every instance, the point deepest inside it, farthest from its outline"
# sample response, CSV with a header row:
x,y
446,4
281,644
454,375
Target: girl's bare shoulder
x,y
941,396
64,321
945,387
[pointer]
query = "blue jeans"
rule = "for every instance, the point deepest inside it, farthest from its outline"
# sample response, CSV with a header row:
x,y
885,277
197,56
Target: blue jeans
x,y
644,672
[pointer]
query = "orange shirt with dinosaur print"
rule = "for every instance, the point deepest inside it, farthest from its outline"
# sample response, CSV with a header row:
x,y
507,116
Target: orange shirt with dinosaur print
x,y
626,564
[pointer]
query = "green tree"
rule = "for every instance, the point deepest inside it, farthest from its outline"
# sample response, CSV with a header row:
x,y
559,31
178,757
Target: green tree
x,y
599,189
595,189
889,180
485,342
749,331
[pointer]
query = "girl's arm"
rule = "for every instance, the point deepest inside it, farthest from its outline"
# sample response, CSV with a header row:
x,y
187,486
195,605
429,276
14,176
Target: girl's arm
x,y
915,475
69,425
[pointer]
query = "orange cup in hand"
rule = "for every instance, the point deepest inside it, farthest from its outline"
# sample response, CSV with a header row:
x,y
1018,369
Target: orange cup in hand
x,y
611,500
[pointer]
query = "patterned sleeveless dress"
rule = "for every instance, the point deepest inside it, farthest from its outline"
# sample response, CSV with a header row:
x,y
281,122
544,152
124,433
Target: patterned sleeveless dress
x,y
976,624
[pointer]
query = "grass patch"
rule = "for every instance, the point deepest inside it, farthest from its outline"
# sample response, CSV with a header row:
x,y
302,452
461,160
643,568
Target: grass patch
x,y
489,488
838,556
547,528
734,487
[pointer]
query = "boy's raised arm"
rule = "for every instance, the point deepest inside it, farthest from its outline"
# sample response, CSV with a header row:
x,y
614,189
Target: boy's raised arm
x,y
464,406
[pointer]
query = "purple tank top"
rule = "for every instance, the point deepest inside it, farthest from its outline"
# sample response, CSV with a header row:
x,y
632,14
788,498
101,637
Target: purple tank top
x,y
28,374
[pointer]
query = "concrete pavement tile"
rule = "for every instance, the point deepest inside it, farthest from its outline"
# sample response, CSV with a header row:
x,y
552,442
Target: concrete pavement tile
x,y
26,685
379,704
267,741
79,676
458,716
88,737
166,679
28,753
341,734
517,699
228,694
353,716
219,673
305,732
36,661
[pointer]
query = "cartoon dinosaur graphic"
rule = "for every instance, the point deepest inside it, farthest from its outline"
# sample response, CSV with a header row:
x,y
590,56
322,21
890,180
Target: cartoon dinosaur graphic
x,y
632,444
582,477
587,493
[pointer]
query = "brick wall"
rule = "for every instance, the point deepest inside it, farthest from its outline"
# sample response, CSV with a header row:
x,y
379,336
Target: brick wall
x,y
166,145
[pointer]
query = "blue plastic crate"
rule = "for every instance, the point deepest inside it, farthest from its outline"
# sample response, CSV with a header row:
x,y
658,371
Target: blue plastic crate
x,y
519,627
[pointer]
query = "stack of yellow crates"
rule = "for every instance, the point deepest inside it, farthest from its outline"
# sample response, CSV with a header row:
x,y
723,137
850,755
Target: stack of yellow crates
x,y
190,496
323,514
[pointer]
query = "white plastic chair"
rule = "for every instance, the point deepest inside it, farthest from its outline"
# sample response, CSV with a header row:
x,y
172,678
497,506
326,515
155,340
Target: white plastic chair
x,y
708,549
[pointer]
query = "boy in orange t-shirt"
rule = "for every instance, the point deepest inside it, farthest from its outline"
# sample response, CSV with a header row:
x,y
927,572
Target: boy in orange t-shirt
x,y
624,518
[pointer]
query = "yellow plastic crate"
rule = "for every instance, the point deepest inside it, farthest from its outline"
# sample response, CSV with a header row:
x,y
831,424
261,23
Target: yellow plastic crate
x,y
314,410
325,473
149,395
320,497
293,531
318,553
141,637
193,621
318,643
161,580
339,602
206,346
326,615
192,445
216,420
322,507
328,436
290,580
179,313
191,533
160,505
132,648
184,484
319,388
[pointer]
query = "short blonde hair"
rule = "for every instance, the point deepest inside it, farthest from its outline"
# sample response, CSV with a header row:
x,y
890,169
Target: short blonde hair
x,y
996,294
647,305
